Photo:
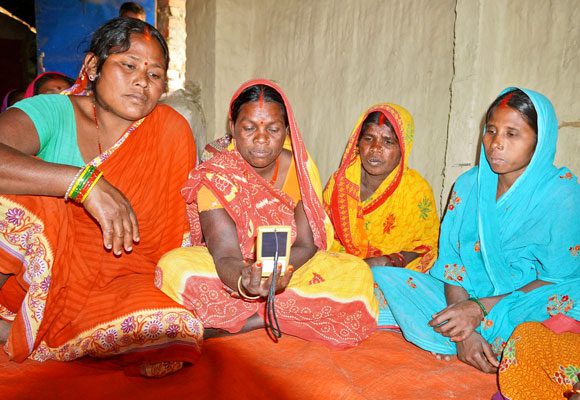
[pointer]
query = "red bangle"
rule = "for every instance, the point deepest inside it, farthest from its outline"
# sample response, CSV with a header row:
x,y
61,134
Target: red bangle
x,y
84,190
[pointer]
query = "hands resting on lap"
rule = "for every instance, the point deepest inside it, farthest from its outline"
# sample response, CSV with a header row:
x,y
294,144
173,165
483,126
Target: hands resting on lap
x,y
458,322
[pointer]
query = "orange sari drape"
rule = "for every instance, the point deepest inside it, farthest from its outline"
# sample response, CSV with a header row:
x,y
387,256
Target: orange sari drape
x,y
82,300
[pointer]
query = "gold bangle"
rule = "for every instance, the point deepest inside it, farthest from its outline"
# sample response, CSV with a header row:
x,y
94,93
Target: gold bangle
x,y
243,294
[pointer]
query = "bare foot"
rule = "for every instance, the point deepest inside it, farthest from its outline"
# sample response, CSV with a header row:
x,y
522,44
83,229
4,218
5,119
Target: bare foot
x,y
442,357
253,323
5,327
210,333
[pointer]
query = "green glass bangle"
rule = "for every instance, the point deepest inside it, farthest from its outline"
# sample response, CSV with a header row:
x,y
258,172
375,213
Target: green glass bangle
x,y
86,174
476,301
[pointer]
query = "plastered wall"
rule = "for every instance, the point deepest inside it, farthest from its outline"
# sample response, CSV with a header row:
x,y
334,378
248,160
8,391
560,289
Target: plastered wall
x,y
444,60
532,44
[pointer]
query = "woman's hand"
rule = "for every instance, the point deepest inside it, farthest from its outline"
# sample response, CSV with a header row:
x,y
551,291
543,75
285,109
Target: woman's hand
x,y
400,259
458,321
114,213
476,351
252,283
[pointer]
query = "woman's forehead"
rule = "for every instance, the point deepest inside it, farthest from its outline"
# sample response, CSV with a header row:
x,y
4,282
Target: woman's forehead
x,y
257,109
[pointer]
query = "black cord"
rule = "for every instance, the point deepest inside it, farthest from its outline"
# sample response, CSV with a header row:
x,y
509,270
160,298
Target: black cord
x,y
272,326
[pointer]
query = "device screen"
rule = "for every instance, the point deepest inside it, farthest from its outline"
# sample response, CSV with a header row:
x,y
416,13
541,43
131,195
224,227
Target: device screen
x,y
269,244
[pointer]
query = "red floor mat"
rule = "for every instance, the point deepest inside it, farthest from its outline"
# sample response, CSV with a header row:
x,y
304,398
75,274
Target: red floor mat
x,y
251,366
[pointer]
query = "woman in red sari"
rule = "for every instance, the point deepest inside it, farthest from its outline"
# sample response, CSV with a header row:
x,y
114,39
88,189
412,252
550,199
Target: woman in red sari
x,y
266,177
118,159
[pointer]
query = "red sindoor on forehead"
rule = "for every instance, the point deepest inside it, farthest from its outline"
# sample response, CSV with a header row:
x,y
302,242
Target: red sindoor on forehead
x,y
382,119
261,99
505,100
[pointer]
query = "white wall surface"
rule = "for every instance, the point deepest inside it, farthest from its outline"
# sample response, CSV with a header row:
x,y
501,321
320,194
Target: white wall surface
x,y
444,60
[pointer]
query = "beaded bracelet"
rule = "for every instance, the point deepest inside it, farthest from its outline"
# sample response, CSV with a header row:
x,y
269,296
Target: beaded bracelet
x,y
70,186
82,191
479,304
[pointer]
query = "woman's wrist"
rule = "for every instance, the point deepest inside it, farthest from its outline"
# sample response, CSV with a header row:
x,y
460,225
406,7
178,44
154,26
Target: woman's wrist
x,y
399,256
387,260
480,305
394,259
242,292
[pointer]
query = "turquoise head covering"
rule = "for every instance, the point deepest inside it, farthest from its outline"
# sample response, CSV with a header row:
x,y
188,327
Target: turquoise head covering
x,y
511,208
493,247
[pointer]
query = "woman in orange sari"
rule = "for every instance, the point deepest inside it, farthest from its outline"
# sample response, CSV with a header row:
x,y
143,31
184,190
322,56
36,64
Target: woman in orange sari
x,y
118,159
382,210
265,177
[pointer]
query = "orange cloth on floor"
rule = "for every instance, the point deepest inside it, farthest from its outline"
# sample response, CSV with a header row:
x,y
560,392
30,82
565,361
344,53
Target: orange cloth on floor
x,y
83,300
251,366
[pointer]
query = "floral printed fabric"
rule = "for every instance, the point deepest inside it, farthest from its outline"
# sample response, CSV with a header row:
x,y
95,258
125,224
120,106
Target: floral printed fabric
x,y
538,363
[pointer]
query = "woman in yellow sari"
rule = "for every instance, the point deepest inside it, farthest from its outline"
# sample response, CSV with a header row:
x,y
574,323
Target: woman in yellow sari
x,y
382,210
265,177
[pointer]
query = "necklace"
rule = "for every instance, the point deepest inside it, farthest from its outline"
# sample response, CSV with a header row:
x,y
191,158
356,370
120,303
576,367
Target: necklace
x,y
97,125
275,175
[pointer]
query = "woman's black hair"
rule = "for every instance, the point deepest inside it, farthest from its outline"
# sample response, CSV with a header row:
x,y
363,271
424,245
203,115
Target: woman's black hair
x,y
14,96
519,101
48,77
131,7
374,118
253,93
115,37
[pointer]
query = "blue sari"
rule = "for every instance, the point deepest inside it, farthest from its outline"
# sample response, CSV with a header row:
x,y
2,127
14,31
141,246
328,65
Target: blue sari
x,y
492,247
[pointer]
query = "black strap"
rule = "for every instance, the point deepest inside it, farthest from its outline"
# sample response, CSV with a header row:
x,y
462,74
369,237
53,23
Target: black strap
x,y
272,326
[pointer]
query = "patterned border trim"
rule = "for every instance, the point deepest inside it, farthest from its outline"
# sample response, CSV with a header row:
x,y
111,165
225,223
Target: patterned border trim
x,y
101,158
21,234
144,328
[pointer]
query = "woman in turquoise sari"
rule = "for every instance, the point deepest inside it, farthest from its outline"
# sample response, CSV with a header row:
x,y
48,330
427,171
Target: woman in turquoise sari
x,y
508,249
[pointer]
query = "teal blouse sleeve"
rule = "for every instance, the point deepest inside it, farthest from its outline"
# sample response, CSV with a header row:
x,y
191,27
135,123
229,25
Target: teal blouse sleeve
x,y
54,120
